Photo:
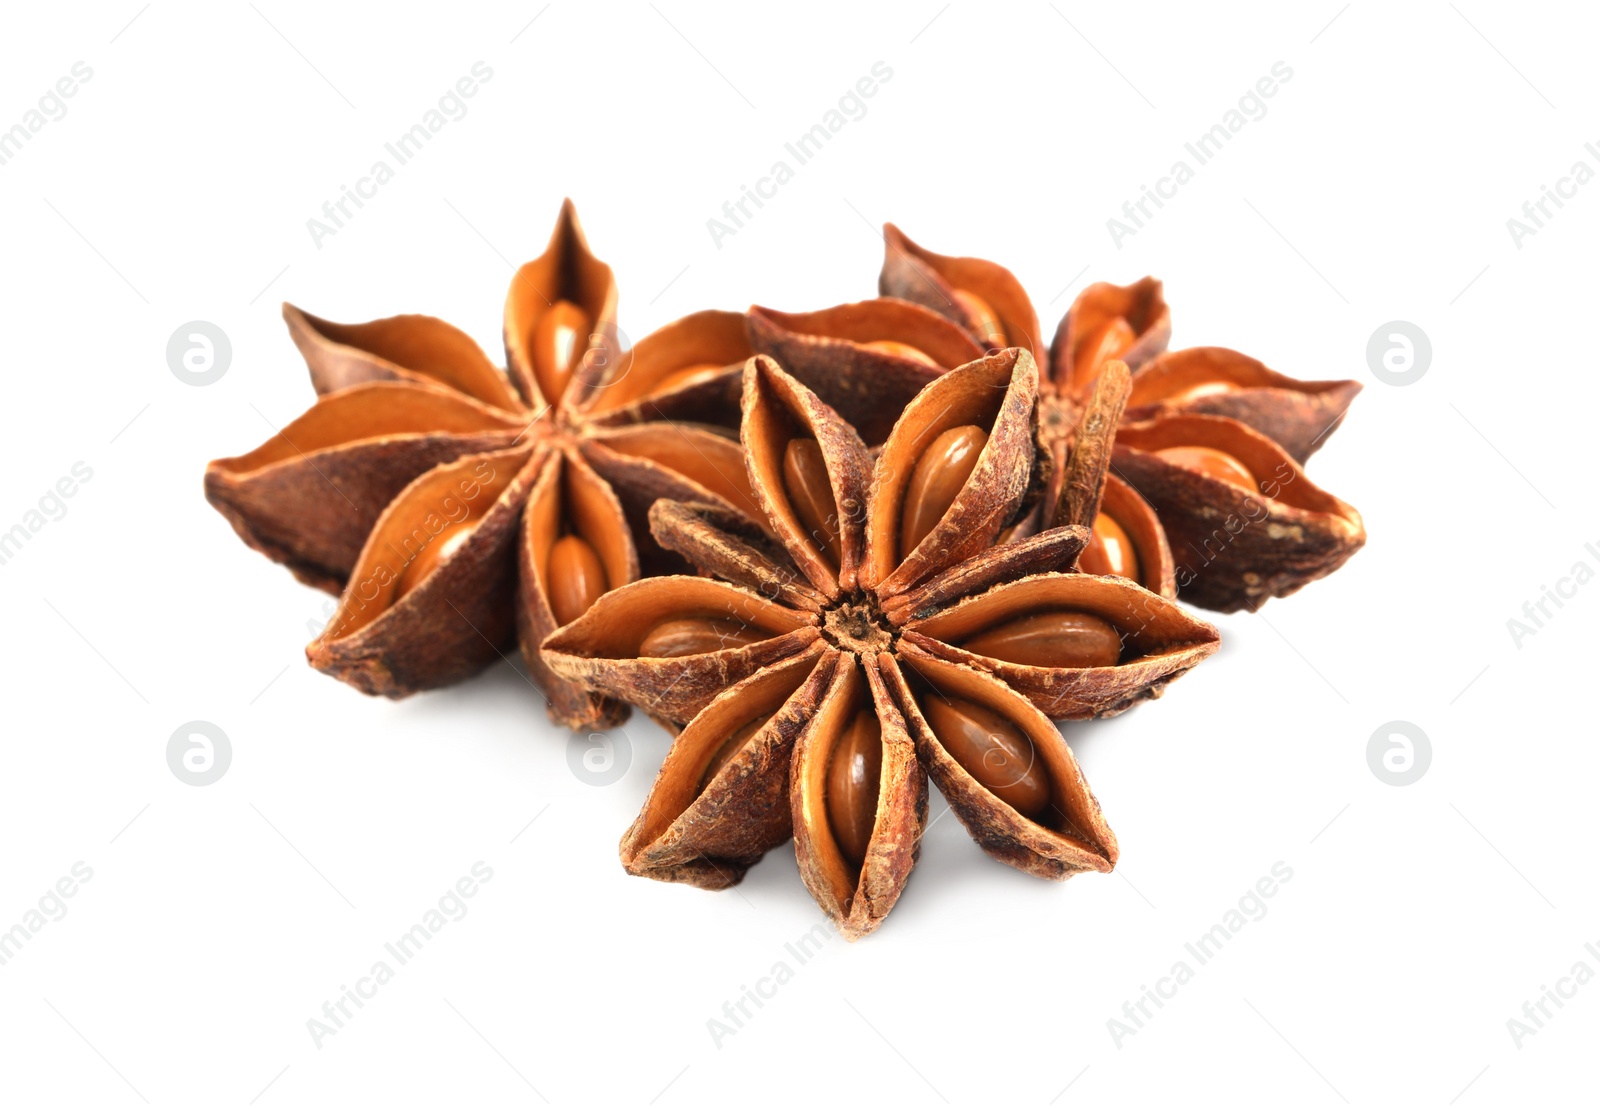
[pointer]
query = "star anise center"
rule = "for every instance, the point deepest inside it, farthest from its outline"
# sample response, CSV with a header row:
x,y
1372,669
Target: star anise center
x,y
856,624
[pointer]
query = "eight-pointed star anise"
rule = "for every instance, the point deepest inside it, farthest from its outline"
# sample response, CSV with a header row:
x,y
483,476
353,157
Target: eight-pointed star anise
x,y
883,638
455,506
1212,440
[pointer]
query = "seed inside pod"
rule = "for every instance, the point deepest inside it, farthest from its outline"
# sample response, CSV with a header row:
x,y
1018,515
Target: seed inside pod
x,y
902,350
439,548
575,578
1110,551
852,797
805,479
698,635
730,747
1055,639
1111,340
1213,463
689,375
559,340
993,750
1202,389
990,329
937,479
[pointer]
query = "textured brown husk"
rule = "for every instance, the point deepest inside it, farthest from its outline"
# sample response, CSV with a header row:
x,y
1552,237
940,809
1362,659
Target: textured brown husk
x,y
914,273
407,396
416,350
310,495
997,393
599,649
878,612
1235,550
1078,501
858,907
1167,641
567,270
629,394
1142,304
1080,840
868,388
721,833
1297,415
457,619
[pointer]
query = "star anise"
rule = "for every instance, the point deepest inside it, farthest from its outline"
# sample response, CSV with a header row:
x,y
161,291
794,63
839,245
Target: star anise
x,y
1207,464
883,638
1212,441
455,506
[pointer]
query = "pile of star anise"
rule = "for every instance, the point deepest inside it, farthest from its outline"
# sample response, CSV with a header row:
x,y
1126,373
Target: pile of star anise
x,y
836,552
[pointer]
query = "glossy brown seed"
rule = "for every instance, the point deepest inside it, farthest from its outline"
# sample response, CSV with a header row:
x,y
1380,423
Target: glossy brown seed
x,y
993,750
1211,462
689,375
805,480
559,340
990,329
935,482
903,350
1113,338
439,548
574,577
1064,639
1110,551
698,635
730,747
852,797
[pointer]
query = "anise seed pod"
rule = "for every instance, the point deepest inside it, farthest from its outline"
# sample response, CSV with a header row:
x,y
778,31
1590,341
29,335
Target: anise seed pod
x,y
1214,381
1129,323
866,360
691,369
457,507
887,638
1245,522
1133,535
980,295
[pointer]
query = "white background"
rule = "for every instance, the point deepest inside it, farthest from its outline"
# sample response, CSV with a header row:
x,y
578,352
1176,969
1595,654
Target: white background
x,y
220,919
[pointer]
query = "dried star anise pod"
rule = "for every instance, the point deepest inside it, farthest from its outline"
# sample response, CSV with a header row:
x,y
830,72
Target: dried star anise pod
x,y
456,506
867,359
882,638
1206,497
